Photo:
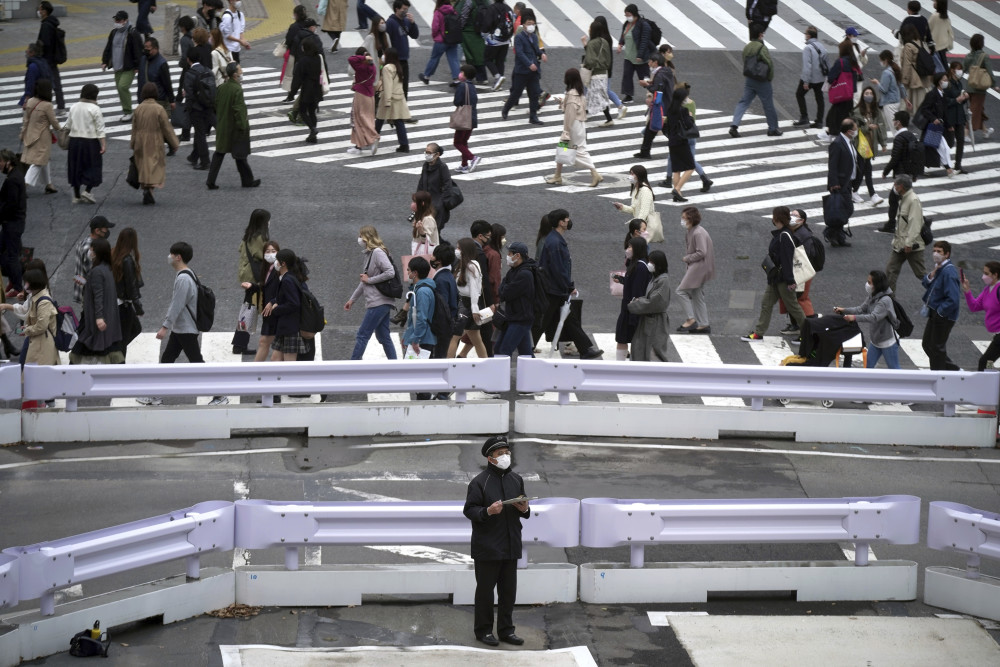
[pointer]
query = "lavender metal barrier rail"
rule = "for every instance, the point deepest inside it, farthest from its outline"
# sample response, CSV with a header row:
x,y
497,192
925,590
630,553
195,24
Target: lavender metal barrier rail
x,y
965,530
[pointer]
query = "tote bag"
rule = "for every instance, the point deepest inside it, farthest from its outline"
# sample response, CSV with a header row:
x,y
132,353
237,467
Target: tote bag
x,y
932,135
802,268
654,226
979,78
461,117
842,89
564,154
864,148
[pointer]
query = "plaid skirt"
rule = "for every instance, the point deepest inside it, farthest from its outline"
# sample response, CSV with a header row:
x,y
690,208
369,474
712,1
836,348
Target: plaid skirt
x,y
289,345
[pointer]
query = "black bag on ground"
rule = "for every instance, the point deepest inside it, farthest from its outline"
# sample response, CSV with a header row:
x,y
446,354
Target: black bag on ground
x,y
82,645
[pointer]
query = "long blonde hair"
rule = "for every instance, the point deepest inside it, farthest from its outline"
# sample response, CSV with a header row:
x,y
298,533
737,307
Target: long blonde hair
x,y
371,238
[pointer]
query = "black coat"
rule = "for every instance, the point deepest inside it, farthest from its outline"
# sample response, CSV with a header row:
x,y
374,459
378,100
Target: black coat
x,y
841,164
434,178
782,251
900,146
497,536
133,49
47,36
306,78
13,202
287,304
517,292
128,287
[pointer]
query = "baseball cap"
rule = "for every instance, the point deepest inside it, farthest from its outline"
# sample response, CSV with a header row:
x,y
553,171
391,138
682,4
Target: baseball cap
x,y
121,16
99,221
518,248
308,23
496,442
852,31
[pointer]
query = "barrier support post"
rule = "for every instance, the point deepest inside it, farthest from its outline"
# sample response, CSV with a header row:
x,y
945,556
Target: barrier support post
x,y
861,553
637,553
47,603
71,404
291,558
972,566
267,400
757,403
460,396
193,567
563,398
949,409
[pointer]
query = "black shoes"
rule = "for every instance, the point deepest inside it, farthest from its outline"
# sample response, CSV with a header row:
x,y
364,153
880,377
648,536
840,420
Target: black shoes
x,y
677,196
801,122
212,186
627,99
172,152
252,184
643,155
424,79
311,139
734,132
147,197
200,167
402,149
535,121
489,640
512,639
774,133
706,184
592,353
886,229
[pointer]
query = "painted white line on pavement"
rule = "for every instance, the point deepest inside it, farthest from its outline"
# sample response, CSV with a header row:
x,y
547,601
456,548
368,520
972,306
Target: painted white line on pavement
x,y
179,455
661,619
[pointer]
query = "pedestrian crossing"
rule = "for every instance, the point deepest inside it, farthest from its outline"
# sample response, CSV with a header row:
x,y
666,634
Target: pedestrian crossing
x,y
710,350
751,174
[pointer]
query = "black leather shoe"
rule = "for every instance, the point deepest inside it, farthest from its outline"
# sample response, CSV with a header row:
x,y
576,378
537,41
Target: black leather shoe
x,y
212,186
489,640
642,156
667,184
512,639
592,353
706,184
200,167
253,184
734,132
774,133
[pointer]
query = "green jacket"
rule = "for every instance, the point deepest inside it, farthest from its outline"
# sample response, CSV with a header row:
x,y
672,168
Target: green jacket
x,y
765,55
245,271
597,56
973,59
232,127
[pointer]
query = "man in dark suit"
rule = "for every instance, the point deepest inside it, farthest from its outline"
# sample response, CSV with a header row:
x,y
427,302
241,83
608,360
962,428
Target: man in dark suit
x,y
842,169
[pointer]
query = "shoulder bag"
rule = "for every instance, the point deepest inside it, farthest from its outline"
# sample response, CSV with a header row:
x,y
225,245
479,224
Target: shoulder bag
x,y
754,67
63,137
802,268
933,134
843,88
461,117
979,78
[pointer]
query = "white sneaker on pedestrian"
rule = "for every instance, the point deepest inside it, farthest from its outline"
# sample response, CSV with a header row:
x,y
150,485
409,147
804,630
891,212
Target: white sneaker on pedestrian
x,y
622,111
354,150
126,118
462,169
857,198
375,147
149,400
475,163
499,82
876,200
607,123
988,132
88,197
219,400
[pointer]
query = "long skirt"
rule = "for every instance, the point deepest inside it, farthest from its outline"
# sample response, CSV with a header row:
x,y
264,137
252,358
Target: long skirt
x,y
681,158
597,94
363,121
85,164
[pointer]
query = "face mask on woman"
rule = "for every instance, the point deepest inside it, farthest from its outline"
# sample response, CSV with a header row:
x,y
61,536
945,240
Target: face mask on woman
x,y
270,257
944,84
646,235
381,27
429,157
628,253
938,257
958,74
361,242
869,98
633,178
988,279
868,288
530,28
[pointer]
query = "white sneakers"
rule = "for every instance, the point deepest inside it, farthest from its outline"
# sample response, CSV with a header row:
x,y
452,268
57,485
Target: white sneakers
x,y
375,147
622,111
988,132
857,198
876,200
499,82
475,163
126,118
354,150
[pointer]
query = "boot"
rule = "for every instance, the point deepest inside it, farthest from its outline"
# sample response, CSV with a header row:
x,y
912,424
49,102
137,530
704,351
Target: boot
x,y
311,139
555,179
595,178
706,183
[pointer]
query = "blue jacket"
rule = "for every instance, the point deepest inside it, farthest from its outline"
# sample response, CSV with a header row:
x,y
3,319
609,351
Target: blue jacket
x,y
463,89
558,265
447,288
399,31
527,53
418,322
943,291
287,305
37,69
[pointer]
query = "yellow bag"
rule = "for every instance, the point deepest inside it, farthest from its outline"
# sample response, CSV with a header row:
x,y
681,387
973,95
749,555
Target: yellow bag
x,y
864,148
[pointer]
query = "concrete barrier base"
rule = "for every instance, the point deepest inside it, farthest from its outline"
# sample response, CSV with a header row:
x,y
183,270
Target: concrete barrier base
x,y
342,585
947,587
174,598
10,427
317,420
10,646
693,582
624,420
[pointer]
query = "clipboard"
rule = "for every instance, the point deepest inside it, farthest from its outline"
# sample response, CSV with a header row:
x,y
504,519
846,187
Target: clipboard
x,y
519,499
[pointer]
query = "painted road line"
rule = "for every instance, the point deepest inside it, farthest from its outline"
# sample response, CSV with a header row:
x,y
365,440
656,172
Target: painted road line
x,y
914,348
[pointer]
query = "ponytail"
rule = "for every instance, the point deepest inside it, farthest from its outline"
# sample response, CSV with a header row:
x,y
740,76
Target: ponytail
x,y
887,56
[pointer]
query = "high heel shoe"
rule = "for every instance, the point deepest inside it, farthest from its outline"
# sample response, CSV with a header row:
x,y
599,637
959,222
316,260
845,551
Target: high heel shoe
x,y
677,196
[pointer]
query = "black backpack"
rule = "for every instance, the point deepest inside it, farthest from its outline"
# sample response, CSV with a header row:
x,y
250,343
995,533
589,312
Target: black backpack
x,y
452,28
925,62
205,315
204,88
913,163
484,17
83,645
501,23
60,50
926,235
655,34
392,288
815,252
905,326
440,324
312,320
541,301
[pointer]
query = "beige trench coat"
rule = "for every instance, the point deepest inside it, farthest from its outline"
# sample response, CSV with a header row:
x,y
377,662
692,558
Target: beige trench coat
x,y
335,19
150,128
40,328
392,104
38,118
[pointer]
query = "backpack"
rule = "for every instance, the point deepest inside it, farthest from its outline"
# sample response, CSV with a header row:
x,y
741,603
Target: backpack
x,y
452,28
66,326
83,645
502,25
655,34
311,316
815,252
541,300
205,309
392,288
913,163
484,17
926,235
440,323
925,62
60,50
905,326
204,88
824,67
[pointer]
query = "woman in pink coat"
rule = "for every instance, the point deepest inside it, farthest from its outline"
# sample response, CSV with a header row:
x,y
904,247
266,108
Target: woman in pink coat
x,y
988,300
700,260
363,134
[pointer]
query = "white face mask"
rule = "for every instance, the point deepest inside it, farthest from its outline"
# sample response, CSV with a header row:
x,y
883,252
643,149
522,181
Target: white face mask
x,y
239,5
646,235
868,288
938,257
361,242
632,178
958,73
503,461
270,257
458,255
429,157
944,84
684,225
530,28
869,98
629,18
987,279
854,40
628,253
510,260
39,13
381,27
170,259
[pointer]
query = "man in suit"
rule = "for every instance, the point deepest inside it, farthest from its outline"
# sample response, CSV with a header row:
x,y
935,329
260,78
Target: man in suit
x,y
841,171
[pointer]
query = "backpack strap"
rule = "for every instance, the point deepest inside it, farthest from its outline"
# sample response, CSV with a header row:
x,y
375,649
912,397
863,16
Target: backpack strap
x,y
49,299
187,307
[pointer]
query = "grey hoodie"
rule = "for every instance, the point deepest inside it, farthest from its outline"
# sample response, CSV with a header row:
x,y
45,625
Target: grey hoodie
x,y
877,319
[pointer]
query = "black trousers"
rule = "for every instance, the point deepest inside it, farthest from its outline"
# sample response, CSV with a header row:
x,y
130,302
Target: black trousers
x,y
628,69
502,576
647,140
959,132
10,255
308,114
496,58
186,343
992,352
57,86
202,123
800,97
242,166
518,83
935,341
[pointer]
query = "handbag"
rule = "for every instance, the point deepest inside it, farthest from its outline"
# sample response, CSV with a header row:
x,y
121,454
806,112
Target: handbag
x,y
132,177
654,226
656,115
802,268
461,320
279,49
864,148
837,209
451,196
979,78
689,131
617,288
754,67
415,249
585,75
248,318
461,117
842,89
64,137
324,79
933,135
564,154
771,270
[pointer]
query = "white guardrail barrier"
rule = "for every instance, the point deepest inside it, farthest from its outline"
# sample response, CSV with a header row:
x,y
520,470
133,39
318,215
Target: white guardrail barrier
x,y
608,522
974,533
74,383
756,383
10,390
